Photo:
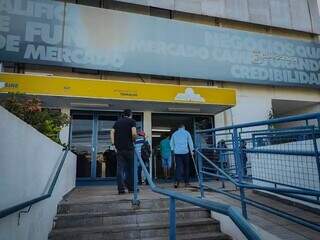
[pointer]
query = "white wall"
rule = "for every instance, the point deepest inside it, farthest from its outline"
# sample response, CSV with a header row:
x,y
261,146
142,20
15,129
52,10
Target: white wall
x,y
28,161
230,228
254,102
299,171
64,133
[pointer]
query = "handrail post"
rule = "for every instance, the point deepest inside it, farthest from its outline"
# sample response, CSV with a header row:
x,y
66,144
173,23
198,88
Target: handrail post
x,y
239,170
199,163
135,200
172,219
316,151
200,166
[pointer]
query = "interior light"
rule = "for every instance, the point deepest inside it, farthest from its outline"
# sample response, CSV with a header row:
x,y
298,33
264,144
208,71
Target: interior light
x,y
99,105
105,129
172,109
161,130
156,135
39,73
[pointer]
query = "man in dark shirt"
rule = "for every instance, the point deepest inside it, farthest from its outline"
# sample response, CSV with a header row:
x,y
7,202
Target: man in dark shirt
x,y
123,134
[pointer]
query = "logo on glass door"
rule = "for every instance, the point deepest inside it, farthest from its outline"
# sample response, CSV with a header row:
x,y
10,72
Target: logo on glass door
x,y
190,96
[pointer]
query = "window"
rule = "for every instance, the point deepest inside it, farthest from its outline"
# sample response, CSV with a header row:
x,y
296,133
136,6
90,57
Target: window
x,y
91,3
67,1
159,12
13,67
85,71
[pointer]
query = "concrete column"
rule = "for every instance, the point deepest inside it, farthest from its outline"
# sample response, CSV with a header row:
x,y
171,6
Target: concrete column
x,y
147,127
64,133
219,120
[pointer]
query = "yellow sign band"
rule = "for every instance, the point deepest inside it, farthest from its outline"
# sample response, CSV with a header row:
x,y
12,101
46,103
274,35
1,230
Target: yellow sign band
x,y
116,90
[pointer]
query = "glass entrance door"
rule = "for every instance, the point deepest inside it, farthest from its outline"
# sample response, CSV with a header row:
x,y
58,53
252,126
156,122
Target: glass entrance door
x,y
106,156
81,143
90,141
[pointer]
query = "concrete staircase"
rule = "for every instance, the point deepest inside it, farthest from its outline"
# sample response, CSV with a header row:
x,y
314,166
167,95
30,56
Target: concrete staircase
x,y
118,220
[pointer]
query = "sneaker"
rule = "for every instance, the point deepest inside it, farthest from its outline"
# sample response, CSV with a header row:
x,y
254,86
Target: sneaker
x,y
176,185
121,192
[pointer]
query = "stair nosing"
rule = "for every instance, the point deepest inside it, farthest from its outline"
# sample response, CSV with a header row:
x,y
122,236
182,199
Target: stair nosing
x,y
201,234
135,226
128,212
66,202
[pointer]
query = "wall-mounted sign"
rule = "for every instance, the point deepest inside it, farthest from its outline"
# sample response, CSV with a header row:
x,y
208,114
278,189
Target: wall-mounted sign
x,y
115,90
55,33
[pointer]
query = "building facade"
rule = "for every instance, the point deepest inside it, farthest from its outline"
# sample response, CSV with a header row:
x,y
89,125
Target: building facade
x,y
207,63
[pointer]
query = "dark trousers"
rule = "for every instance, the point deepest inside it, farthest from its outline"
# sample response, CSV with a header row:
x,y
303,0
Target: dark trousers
x,y
125,160
182,167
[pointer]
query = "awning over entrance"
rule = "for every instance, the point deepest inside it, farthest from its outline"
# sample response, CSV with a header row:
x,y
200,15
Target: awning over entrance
x,y
68,91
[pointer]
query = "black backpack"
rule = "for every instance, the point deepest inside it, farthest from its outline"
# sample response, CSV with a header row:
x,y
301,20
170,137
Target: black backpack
x,y
145,151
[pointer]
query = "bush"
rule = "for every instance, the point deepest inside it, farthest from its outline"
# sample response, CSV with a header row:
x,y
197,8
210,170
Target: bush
x,y
46,121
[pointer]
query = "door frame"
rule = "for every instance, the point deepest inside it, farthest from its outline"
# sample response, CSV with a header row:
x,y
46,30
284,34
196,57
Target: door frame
x,y
193,116
94,139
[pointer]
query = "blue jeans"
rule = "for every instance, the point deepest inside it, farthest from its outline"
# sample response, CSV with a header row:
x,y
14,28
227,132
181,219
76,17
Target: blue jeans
x,y
140,170
182,167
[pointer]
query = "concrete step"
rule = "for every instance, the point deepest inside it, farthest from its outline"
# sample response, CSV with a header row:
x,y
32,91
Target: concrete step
x,y
195,236
106,206
126,217
135,230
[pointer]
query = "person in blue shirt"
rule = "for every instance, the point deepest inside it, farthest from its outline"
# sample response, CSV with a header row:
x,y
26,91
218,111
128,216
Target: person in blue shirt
x,y
165,151
182,145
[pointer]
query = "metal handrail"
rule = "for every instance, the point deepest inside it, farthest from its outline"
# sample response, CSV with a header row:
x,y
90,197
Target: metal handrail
x,y
224,209
252,186
301,117
20,206
240,132
282,191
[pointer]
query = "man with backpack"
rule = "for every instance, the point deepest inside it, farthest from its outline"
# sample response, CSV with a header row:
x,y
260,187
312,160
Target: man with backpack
x,y
143,148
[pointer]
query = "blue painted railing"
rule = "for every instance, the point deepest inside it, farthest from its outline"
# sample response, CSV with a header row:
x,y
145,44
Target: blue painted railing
x,y
224,209
273,146
29,203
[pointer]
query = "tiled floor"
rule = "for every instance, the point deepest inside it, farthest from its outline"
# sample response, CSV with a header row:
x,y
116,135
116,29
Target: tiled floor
x,y
277,226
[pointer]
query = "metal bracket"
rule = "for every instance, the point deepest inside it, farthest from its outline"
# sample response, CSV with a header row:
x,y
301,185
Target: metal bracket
x,y
23,212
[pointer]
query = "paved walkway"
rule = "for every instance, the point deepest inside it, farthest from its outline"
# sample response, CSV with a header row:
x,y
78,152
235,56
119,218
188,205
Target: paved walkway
x,y
275,225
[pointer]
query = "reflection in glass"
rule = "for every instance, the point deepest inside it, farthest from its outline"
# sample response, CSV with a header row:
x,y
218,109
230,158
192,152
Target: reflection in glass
x,y
81,143
138,119
106,157
202,123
